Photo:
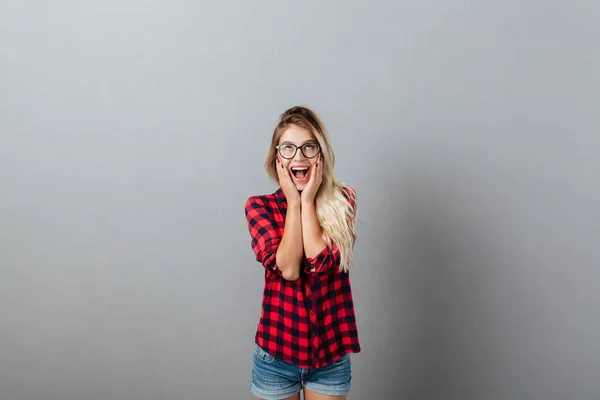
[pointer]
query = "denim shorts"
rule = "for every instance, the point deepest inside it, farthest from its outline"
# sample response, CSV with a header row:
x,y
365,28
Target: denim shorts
x,y
274,379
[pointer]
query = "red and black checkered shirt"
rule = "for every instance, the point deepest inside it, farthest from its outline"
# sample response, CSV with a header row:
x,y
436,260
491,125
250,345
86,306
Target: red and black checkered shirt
x,y
308,322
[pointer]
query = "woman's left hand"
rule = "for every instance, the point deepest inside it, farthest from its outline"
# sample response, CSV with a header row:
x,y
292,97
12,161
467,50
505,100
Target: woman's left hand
x,y
316,178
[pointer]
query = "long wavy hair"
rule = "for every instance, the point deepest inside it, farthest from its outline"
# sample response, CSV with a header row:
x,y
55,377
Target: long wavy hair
x,y
333,199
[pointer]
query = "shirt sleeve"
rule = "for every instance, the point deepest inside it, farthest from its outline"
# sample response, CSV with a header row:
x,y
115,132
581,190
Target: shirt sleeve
x,y
265,240
329,258
323,262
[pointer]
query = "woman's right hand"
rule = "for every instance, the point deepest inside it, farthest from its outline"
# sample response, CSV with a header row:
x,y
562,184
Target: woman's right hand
x,y
287,185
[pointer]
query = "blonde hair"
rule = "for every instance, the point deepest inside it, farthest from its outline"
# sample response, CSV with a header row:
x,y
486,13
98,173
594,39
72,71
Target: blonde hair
x,y
334,199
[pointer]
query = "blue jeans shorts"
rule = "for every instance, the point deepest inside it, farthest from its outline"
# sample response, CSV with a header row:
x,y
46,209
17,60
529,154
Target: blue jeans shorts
x,y
274,379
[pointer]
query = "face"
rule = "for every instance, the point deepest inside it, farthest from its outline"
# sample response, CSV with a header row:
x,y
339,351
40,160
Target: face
x,y
300,166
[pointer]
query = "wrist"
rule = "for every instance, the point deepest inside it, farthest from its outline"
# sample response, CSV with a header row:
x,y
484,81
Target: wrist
x,y
308,202
294,203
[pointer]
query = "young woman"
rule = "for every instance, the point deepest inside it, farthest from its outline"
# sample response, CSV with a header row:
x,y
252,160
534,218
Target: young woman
x,y
303,234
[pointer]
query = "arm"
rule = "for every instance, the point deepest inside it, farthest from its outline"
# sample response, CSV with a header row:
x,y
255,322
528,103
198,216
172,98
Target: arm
x,y
312,234
275,253
290,251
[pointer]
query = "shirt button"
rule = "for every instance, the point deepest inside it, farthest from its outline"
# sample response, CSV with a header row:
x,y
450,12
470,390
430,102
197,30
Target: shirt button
x,y
309,293
312,313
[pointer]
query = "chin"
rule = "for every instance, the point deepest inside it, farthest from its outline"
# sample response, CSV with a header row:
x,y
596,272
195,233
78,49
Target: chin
x,y
300,187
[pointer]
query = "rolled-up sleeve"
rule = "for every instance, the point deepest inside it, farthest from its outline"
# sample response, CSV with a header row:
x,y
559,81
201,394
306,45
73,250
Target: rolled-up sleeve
x,y
265,239
323,262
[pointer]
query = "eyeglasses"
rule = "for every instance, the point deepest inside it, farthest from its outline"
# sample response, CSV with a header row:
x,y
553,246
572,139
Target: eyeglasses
x,y
288,150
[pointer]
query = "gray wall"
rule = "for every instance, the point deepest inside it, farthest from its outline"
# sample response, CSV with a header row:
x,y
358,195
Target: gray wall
x,y
132,132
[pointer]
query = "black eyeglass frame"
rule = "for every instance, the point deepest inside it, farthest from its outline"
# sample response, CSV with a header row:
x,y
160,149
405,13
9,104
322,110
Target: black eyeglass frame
x,y
301,149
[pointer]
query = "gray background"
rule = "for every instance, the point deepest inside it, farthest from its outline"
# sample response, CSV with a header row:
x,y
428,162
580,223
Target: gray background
x,y
132,132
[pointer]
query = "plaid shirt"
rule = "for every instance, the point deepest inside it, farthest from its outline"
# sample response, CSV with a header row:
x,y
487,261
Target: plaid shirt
x,y
309,322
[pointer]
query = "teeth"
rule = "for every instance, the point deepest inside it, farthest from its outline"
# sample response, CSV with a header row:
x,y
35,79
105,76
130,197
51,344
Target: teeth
x,y
299,168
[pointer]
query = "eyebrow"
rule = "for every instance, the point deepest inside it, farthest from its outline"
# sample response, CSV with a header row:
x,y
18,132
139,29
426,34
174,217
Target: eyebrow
x,y
308,141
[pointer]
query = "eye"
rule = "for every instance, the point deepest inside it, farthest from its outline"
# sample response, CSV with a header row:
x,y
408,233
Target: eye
x,y
288,147
309,147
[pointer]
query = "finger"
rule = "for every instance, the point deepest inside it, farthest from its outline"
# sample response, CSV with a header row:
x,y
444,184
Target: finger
x,y
280,172
317,174
280,168
283,173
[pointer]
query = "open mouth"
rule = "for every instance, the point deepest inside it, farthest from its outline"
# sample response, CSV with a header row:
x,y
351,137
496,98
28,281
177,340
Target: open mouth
x,y
300,173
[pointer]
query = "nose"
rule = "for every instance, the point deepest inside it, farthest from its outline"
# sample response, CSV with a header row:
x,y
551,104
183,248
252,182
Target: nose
x,y
299,155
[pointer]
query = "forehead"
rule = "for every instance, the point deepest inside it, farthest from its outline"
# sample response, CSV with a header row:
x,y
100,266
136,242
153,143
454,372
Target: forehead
x,y
296,134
